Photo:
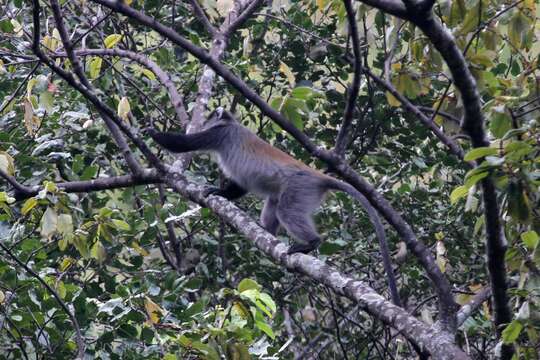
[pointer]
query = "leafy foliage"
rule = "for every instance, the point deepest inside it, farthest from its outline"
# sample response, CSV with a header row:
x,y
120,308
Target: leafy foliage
x,y
100,251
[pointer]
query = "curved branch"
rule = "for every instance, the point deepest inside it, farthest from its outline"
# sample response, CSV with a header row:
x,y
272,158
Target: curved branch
x,y
391,7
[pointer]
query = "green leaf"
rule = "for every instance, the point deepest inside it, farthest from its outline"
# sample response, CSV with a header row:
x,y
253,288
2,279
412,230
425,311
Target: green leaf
x,y
470,22
6,26
518,203
479,152
29,205
268,301
46,100
530,239
111,40
247,284
89,172
458,193
265,328
518,27
49,223
98,251
500,123
511,332
121,225
473,179
65,224
95,67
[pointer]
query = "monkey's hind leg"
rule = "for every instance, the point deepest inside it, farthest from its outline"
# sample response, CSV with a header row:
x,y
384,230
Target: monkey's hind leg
x,y
296,205
269,218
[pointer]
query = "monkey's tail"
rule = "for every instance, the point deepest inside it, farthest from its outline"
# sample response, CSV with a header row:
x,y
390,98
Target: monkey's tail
x,y
375,220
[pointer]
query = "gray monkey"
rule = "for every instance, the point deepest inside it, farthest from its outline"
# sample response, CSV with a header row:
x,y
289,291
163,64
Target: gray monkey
x,y
292,190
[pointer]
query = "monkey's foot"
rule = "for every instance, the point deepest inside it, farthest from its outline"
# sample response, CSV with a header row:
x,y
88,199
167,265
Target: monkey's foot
x,y
212,191
303,248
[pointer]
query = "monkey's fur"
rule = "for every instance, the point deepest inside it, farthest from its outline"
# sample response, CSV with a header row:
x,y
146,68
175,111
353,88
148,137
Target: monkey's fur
x,y
292,190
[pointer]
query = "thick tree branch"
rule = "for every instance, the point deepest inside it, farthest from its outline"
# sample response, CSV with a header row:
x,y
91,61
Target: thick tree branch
x,y
343,136
439,344
392,7
473,125
441,284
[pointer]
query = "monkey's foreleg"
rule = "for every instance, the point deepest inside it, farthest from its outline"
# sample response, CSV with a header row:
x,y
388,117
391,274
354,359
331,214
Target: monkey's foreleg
x,y
231,191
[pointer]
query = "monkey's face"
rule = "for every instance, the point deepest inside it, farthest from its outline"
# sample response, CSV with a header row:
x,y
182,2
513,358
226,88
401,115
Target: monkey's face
x,y
219,117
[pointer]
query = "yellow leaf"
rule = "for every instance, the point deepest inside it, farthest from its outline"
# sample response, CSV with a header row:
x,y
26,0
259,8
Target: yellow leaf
x,y
149,74
111,40
123,108
287,72
95,67
49,222
98,252
55,40
139,249
441,256
392,101
321,4
66,263
29,205
6,163
153,310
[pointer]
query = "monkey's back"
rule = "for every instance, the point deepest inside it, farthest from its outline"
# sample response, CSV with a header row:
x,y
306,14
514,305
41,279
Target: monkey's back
x,y
256,165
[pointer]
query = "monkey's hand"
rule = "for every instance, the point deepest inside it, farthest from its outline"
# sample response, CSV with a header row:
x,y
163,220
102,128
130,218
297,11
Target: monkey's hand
x,y
212,190
149,131
302,248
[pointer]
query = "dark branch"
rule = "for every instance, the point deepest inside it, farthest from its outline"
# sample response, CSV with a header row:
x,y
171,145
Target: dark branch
x,y
199,14
391,7
343,135
105,183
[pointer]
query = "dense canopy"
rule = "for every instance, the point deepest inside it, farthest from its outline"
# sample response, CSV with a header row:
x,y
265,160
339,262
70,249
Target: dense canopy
x,y
110,247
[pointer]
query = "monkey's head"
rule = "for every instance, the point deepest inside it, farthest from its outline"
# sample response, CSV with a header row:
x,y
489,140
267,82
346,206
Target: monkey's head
x,y
219,117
